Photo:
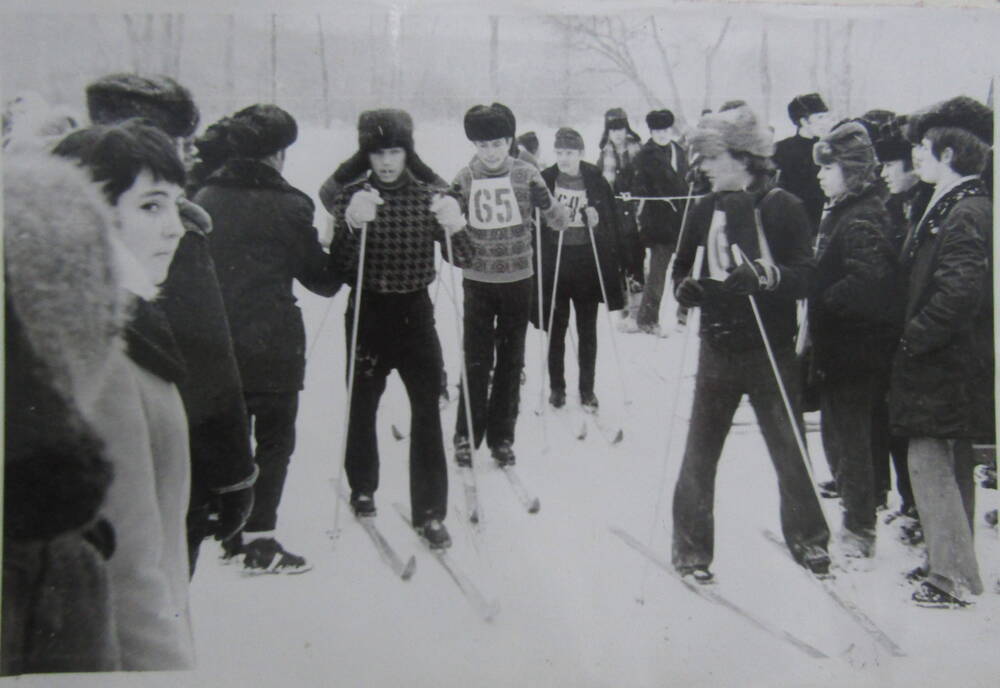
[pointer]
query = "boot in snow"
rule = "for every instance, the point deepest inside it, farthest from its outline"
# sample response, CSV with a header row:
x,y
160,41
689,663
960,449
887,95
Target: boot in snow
x,y
588,400
266,555
558,398
504,454
463,452
436,535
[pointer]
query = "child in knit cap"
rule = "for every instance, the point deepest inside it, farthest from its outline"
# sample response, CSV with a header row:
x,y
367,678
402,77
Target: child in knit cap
x,y
852,321
499,194
593,229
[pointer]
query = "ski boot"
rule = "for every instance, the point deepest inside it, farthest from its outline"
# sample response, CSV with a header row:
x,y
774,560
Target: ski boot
x,y
589,402
558,398
266,555
504,454
699,574
463,452
817,560
363,504
435,534
932,597
828,489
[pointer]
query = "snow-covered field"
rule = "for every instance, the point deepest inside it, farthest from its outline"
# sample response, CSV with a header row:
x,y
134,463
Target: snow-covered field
x,y
566,587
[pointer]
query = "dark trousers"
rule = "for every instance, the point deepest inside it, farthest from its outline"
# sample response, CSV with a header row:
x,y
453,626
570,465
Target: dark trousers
x,y
396,331
272,417
586,330
495,322
659,260
847,405
885,447
723,378
633,257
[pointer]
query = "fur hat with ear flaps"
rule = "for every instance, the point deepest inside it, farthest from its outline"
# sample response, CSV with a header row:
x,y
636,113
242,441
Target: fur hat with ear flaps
x,y
961,112
848,144
736,130
489,122
155,97
385,128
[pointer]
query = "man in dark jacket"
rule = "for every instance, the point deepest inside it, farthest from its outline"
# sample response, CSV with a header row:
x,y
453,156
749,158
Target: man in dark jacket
x,y
593,227
733,361
403,219
793,156
661,168
263,239
852,322
222,468
943,372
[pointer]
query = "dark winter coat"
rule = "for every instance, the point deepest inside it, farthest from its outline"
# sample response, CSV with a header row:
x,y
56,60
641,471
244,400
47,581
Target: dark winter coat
x,y
794,159
263,239
606,235
854,312
210,387
659,221
727,320
943,372
905,210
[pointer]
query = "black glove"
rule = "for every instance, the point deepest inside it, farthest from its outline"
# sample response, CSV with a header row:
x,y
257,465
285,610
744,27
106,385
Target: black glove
x,y
101,534
690,293
743,280
234,510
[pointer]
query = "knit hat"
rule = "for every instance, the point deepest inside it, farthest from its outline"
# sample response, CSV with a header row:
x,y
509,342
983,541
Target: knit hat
x,y
385,128
616,118
569,138
961,112
890,142
805,105
736,130
529,141
660,119
848,144
160,99
489,122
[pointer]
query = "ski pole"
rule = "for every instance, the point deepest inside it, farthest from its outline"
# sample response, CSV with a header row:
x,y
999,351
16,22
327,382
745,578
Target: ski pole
x,y
326,311
680,237
541,324
607,309
464,379
552,313
695,273
351,362
739,258
666,199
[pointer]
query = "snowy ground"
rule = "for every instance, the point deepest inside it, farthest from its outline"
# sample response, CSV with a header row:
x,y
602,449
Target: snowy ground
x,y
567,588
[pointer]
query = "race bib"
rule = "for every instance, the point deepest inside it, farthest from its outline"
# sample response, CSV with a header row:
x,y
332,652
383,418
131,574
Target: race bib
x,y
574,200
492,204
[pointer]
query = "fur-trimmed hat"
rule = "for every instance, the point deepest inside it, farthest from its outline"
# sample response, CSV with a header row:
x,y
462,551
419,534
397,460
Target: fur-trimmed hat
x,y
736,130
489,122
891,143
660,119
848,144
961,112
262,130
529,141
158,98
385,128
569,138
805,105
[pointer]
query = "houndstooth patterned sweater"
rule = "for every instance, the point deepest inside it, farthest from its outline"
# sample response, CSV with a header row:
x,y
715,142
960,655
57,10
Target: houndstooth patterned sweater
x,y
399,250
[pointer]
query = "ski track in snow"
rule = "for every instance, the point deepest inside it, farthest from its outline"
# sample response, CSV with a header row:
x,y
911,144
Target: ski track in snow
x,y
566,587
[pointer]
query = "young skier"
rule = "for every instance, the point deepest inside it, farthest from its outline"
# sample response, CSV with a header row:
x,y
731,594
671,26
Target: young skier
x,y
499,194
403,218
733,361
263,239
852,322
587,196
942,385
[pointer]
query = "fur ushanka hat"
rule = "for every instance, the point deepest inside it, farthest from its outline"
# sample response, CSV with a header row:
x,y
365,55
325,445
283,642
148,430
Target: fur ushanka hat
x,y
489,122
660,119
160,99
890,142
961,112
385,128
848,144
732,130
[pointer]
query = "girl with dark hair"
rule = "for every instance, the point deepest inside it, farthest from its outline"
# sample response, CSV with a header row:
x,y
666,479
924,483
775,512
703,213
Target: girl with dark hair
x,y
263,239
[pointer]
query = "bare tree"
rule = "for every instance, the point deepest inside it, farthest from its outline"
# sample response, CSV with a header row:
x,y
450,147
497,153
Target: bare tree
x,y
845,73
274,58
710,54
229,62
324,73
494,54
611,39
139,29
814,63
668,70
765,74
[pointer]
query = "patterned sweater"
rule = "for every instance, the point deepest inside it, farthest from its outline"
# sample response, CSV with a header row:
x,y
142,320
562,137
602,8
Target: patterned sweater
x,y
499,205
399,250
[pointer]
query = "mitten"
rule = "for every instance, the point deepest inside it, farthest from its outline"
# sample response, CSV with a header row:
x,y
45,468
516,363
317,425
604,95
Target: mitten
x,y
362,207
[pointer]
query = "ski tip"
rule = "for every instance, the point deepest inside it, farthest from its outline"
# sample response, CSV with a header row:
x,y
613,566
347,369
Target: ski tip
x,y
535,506
619,436
582,435
396,434
409,569
491,612
474,517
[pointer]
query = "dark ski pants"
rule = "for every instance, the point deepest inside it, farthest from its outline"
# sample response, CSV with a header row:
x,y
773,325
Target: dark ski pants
x,y
396,331
886,447
576,286
847,405
652,295
495,323
723,378
272,417
633,257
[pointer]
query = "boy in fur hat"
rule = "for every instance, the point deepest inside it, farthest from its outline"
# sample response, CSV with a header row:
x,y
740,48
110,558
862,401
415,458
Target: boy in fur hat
x,y
771,231
660,169
793,156
852,322
500,195
942,384
222,468
404,218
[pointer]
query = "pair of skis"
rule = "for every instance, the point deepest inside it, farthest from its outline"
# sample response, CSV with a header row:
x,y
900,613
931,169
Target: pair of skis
x,y
708,593
530,502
